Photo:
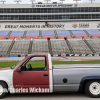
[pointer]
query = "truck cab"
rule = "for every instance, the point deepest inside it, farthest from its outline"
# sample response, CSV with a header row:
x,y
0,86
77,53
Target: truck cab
x,y
27,74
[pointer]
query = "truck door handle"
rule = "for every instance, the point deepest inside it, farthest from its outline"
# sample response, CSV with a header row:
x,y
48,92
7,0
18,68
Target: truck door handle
x,y
46,75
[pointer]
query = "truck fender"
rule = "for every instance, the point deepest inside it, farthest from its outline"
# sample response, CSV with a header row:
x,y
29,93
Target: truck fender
x,y
87,78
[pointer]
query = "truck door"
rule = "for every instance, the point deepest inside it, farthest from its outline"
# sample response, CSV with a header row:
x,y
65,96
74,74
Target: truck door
x,y
34,75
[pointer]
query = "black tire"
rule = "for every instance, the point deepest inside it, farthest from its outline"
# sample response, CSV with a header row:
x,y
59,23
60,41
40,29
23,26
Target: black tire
x,y
4,93
92,88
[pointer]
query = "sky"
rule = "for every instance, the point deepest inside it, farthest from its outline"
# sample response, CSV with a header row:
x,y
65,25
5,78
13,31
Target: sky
x,y
66,1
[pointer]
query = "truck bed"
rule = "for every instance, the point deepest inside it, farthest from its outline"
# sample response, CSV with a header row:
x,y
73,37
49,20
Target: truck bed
x,y
75,74
68,66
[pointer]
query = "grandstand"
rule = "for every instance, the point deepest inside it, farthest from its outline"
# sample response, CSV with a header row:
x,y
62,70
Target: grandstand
x,y
52,46
49,34
94,33
16,34
46,34
20,47
62,34
59,46
57,29
95,44
4,46
79,46
40,46
79,33
3,34
32,34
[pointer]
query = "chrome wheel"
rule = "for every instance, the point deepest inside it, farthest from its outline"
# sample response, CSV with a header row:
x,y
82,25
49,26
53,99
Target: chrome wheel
x,y
1,89
95,88
92,88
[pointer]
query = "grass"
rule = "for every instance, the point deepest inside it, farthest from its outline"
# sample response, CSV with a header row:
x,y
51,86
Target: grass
x,y
41,63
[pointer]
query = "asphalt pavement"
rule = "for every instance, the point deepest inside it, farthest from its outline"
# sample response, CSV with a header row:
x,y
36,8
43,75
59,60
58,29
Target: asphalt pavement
x,y
55,96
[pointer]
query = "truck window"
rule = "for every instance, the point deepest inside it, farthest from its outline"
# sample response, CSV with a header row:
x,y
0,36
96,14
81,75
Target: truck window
x,y
35,64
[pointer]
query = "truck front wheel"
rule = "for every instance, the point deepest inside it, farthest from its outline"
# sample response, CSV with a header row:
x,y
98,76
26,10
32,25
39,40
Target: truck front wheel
x,y
92,89
3,89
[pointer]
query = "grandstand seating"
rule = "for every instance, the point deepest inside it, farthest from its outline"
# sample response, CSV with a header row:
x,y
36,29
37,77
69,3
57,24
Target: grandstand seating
x,y
59,46
51,34
63,34
95,44
46,34
20,47
40,46
32,34
4,46
79,33
3,34
94,33
79,46
16,34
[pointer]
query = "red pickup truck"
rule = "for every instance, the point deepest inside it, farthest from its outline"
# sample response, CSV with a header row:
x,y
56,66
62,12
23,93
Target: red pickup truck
x,y
35,74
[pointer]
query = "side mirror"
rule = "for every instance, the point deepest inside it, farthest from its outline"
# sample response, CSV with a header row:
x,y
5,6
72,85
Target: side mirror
x,y
19,69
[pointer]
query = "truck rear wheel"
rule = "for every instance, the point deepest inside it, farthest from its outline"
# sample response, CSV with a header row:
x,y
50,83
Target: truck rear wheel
x,y
92,89
3,89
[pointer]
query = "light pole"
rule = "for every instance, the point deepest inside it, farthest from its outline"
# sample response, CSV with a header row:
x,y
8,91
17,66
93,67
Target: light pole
x,y
62,1
76,1
47,0
17,1
3,1
91,0
32,1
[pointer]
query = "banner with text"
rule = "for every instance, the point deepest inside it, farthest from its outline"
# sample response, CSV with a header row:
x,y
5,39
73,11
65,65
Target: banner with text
x,y
25,26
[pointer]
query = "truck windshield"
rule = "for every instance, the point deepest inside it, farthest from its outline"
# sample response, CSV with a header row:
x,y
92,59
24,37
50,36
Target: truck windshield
x,y
18,63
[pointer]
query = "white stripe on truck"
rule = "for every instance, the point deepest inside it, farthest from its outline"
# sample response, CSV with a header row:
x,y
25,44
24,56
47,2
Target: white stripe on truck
x,y
50,74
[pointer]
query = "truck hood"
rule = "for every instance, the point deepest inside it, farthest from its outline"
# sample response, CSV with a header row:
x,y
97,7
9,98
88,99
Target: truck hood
x,y
8,68
5,71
